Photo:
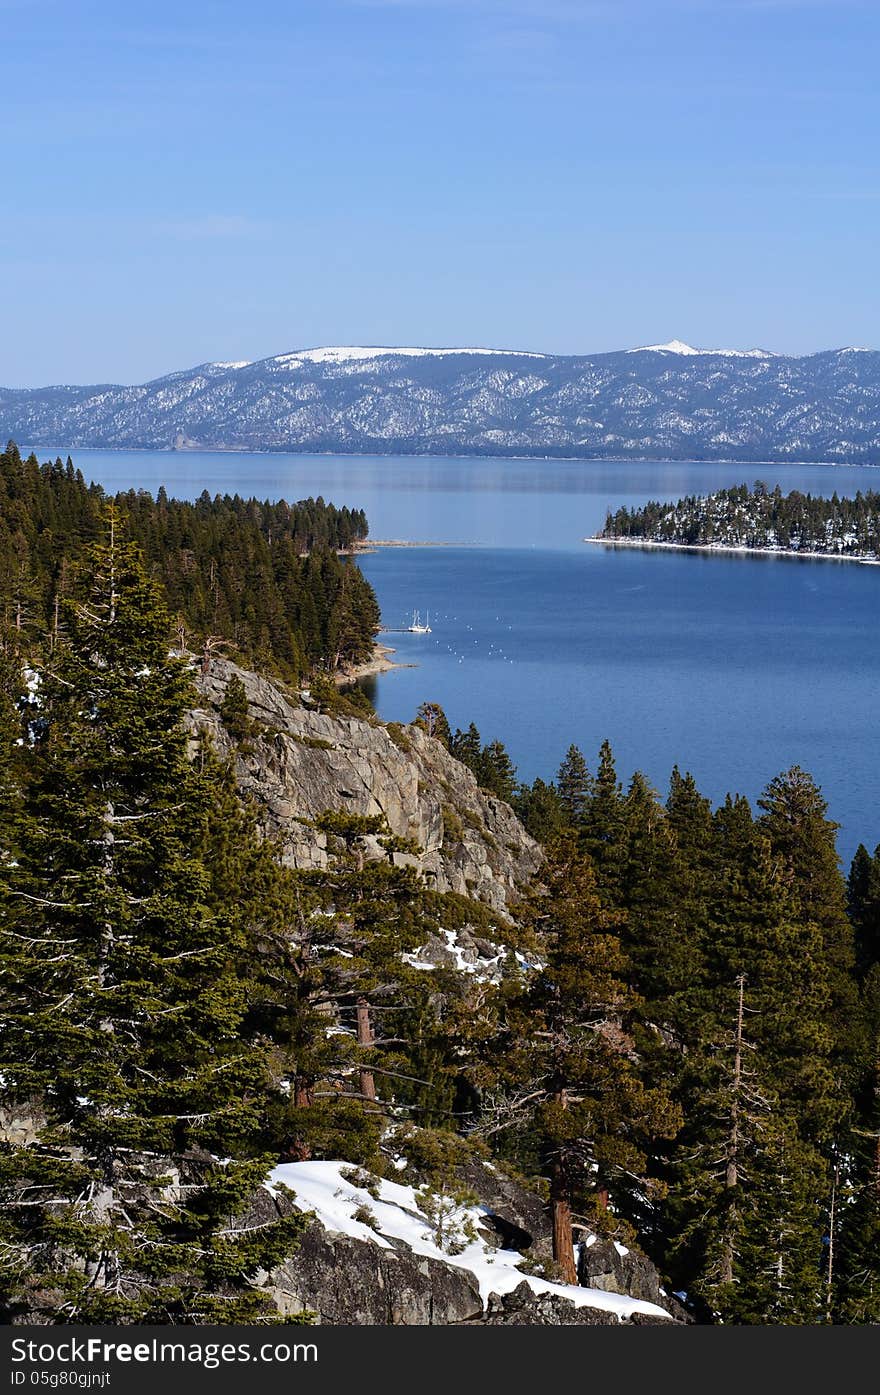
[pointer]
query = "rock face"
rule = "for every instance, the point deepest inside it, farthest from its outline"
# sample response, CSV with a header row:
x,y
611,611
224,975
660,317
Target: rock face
x,y
303,764
353,1283
349,1282
616,1269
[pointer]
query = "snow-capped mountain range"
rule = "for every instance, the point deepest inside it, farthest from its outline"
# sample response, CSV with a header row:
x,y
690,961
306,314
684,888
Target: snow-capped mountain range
x,y
661,401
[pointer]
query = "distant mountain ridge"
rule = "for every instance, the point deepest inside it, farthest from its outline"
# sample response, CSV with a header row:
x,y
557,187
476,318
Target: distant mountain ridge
x,y
663,401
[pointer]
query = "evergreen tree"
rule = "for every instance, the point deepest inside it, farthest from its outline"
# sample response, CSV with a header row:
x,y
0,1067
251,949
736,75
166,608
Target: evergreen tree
x,y
804,839
863,904
538,809
432,719
574,784
603,828
497,773
567,1066
855,1279
467,747
125,996
665,908
234,711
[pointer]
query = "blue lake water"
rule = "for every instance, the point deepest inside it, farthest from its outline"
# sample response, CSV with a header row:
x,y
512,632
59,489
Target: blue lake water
x,y
734,667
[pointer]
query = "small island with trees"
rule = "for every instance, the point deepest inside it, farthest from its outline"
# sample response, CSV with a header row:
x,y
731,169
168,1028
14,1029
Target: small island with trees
x,y
754,520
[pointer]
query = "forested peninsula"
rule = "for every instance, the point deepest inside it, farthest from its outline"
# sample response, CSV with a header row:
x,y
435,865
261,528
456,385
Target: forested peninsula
x,y
261,581
756,519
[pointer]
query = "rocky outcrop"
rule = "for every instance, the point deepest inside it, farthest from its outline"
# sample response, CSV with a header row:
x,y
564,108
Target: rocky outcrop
x,y
304,763
353,1283
348,1282
615,1268
341,1279
525,1308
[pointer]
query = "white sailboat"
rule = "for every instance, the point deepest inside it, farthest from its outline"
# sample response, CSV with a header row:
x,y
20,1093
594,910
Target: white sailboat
x,y
417,628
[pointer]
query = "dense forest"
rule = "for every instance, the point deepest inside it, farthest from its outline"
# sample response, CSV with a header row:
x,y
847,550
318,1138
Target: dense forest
x,y
262,580
683,1045
745,971
757,518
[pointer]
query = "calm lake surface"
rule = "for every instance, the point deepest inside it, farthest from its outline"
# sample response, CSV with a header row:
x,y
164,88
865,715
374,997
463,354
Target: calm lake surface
x,y
733,667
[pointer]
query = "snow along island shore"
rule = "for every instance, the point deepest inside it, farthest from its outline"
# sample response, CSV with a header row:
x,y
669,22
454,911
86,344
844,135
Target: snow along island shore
x,y
650,544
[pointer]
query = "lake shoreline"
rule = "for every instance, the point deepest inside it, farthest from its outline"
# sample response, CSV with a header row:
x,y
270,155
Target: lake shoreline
x,y
472,454
373,544
721,550
379,663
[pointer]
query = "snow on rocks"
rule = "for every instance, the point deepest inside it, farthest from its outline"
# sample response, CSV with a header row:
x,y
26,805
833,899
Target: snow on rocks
x,y
459,950
393,1216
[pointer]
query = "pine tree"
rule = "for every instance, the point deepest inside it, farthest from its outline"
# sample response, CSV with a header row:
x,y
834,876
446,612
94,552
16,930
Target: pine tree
x,y
803,838
603,831
467,747
761,1068
567,1067
538,809
234,711
856,1280
863,904
432,719
663,894
574,784
125,996
497,773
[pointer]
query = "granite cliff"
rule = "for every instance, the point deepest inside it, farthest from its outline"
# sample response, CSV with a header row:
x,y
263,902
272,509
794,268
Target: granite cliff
x,y
302,763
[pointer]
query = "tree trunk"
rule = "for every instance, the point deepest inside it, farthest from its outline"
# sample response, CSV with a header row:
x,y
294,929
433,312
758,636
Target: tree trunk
x,y
731,1172
302,1092
832,1222
297,1150
563,1237
365,1038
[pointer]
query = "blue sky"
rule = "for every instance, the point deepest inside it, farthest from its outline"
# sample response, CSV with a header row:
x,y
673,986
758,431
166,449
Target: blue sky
x,y
217,180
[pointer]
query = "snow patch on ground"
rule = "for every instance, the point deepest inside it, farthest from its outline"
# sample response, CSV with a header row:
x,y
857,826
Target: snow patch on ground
x,y
321,1188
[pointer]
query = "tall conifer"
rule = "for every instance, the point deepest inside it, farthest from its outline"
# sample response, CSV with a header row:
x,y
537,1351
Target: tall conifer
x,y
125,995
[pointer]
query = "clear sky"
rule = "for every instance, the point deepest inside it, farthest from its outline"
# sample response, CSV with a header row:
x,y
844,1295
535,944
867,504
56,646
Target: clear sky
x,y
215,180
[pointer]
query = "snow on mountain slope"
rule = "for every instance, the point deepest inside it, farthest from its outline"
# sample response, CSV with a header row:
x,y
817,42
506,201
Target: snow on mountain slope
x,y
677,346
343,1207
664,402
352,353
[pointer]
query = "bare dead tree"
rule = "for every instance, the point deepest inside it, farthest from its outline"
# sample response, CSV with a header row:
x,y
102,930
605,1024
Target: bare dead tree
x,y
210,648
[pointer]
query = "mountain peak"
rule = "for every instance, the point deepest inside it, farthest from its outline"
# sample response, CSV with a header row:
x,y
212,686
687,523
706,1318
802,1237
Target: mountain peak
x,y
677,346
